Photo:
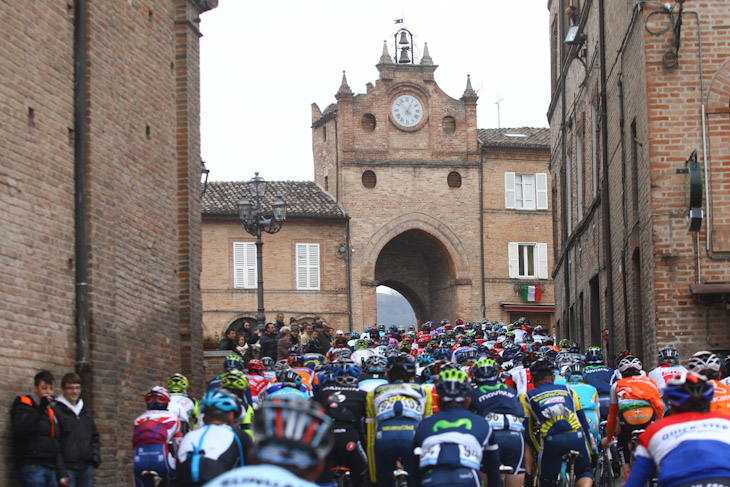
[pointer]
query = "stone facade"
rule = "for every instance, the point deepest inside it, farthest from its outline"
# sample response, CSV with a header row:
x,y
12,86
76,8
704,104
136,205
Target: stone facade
x,y
622,233
143,197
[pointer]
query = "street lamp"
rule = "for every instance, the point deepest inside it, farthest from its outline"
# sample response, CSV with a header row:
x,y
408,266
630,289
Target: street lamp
x,y
254,222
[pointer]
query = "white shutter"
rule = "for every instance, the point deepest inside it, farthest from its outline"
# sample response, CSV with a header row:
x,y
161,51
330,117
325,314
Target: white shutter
x,y
244,265
302,266
542,261
509,190
542,191
514,261
528,192
313,265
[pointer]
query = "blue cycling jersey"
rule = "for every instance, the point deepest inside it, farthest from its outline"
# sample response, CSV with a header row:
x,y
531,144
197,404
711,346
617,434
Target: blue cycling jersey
x,y
599,376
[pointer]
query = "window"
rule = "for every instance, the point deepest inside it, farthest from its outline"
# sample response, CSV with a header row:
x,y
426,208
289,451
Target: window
x,y
579,169
244,265
368,179
454,180
521,191
528,260
308,266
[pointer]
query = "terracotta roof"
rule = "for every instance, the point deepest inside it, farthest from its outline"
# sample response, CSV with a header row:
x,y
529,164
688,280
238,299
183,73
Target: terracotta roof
x,y
528,137
303,199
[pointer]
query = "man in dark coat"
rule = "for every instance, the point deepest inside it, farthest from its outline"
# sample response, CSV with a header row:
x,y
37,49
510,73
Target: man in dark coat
x,y
79,439
229,341
269,342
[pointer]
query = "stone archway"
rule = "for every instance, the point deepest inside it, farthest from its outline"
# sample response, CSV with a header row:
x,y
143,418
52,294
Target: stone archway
x,y
419,267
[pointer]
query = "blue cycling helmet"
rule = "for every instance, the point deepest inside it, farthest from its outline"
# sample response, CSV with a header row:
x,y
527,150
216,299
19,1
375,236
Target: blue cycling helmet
x,y
222,400
425,359
376,364
688,391
441,354
594,356
234,362
575,372
354,335
289,377
348,375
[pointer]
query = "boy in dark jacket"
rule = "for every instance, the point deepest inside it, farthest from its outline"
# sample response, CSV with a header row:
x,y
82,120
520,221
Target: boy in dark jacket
x,y
35,435
79,437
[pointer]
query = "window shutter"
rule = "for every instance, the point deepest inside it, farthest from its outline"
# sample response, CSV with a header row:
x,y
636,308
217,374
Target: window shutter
x,y
313,266
514,262
509,190
244,265
542,191
542,261
302,266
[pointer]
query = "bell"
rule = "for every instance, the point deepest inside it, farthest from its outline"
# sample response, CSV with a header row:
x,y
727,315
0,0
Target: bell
x,y
403,38
404,58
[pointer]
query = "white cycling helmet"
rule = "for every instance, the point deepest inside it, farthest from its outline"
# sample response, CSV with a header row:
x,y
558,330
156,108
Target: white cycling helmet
x,y
704,360
629,362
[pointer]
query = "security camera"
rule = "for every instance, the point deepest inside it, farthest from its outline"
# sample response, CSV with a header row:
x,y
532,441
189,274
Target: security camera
x,y
205,5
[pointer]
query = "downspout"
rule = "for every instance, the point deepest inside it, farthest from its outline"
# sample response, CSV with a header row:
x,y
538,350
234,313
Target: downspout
x,y
605,198
563,173
337,166
348,251
81,147
481,228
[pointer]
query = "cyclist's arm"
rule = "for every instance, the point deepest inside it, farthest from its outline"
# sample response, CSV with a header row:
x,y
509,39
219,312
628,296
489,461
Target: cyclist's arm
x,y
490,461
641,469
529,425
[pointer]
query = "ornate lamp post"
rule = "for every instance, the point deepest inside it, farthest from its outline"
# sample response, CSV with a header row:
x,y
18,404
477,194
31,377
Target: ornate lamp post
x,y
254,222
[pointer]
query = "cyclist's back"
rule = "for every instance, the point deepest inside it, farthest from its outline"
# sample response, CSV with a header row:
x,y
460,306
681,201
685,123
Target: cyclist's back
x,y
668,359
588,397
155,431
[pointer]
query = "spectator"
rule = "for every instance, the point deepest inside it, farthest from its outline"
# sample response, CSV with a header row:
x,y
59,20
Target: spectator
x,y
243,348
282,351
279,323
79,438
269,342
251,337
295,338
314,345
229,341
35,435
306,335
325,337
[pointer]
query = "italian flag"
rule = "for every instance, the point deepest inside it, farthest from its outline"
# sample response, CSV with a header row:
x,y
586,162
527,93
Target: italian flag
x,y
531,293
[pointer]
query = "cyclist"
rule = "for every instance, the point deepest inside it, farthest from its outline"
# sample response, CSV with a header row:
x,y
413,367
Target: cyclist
x,y
296,361
287,456
455,446
597,374
180,403
236,382
588,396
230,362
288,384
500,405
668,358
157,431
257,382
634,404
269,364
374,375
346,405
216,447
519,375
691,445
362,352
393,412
708,364
555,416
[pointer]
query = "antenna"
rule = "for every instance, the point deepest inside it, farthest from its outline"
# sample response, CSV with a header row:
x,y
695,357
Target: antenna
x,y
497,103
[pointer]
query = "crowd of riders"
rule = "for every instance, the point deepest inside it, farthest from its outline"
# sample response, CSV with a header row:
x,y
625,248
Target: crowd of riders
x,y
460,405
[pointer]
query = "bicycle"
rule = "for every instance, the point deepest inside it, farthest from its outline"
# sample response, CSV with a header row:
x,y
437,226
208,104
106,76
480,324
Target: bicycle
x,y
150,476
503,471
604,465
567,471
653,481
401,477
341,476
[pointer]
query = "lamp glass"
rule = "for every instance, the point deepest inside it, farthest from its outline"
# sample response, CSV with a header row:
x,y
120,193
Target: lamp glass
x,y
279,207
257,186
245,210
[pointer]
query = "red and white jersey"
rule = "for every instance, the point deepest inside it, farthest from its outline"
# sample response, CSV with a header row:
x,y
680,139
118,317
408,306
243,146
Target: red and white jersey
x,y
156,427
182,406
660,374
360,356
256,383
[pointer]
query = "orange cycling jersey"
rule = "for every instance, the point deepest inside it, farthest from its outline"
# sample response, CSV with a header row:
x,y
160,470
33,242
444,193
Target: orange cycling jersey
x,y
721,398
309,378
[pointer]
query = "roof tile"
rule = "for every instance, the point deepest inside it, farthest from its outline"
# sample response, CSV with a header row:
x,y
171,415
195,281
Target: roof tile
x,y
535,138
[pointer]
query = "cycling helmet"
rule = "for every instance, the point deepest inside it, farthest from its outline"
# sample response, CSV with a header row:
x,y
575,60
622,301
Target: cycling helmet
x,y
289,377
427,326
312,360
452,385
574,372
234,380
361,344
425,359
405,347
564,344
376,364
484,370
157,398
342,353
233,362
177,383
348,375
594,356
255,365
411,328
539,367
668,355
574,348
629,363
296,356
538,331
354,335
268,363
423,340
292,431
400,367
222,400
688,391
441,354
381,327
705,363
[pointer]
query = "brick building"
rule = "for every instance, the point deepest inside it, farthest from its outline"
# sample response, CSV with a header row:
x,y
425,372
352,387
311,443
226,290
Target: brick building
x,y
100,184
454,218
637,91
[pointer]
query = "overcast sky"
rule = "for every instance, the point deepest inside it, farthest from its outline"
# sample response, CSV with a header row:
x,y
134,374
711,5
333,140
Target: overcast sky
x,y
263,63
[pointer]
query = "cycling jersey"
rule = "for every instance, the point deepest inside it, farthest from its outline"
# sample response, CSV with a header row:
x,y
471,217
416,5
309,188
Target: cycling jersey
x,y
689,449
520,379
368,382
256,383
258,476
184,407
599,376
588,397
309,378
280,390
660,374
720,398
360,356
454,445
209,452
154,431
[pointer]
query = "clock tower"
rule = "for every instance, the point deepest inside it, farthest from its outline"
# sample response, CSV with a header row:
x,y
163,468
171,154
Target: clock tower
x,y
404,162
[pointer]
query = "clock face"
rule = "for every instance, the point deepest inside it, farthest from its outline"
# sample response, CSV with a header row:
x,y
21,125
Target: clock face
x,y
407,111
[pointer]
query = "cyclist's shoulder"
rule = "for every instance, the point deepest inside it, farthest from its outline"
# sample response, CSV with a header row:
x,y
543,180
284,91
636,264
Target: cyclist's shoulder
x,y
258,475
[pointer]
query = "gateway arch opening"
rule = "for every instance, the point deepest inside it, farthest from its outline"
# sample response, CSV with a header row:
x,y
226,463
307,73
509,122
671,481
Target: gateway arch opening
x,y
418,266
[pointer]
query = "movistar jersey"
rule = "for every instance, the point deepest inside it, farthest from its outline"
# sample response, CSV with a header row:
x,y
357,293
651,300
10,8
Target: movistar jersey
x,y
499,404
599,376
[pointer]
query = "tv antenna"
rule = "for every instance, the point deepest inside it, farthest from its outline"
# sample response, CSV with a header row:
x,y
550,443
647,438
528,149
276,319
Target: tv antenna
x,y
497,103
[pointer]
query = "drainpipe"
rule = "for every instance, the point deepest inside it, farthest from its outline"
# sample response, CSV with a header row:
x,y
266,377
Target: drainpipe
x,y
348,251
605,199
81,147
563,186
481,227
